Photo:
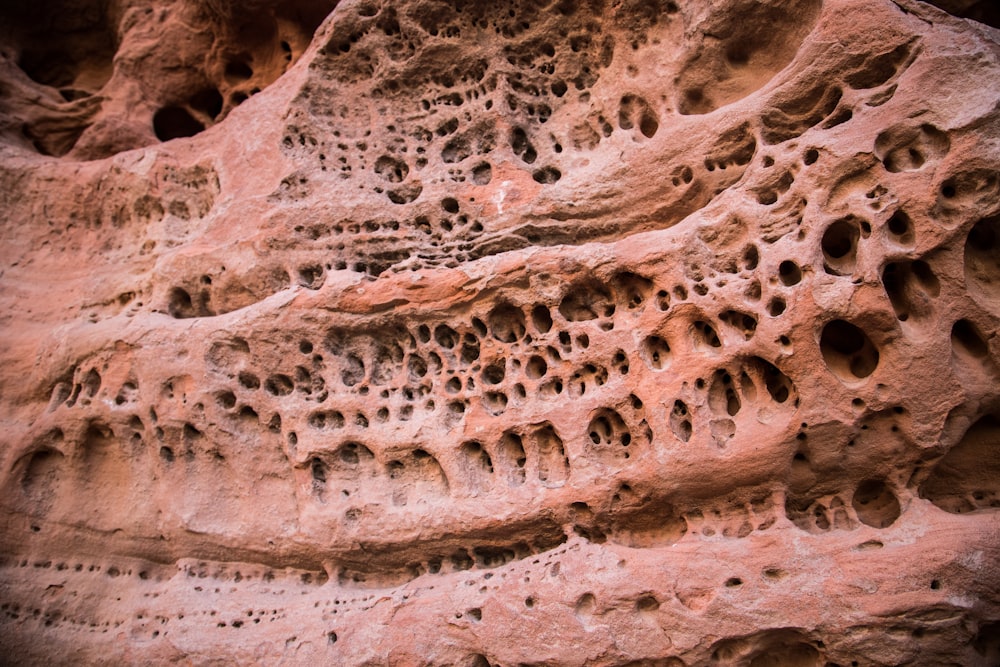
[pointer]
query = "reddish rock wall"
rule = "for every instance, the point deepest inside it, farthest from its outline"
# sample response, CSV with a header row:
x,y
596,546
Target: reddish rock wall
x,y
462,333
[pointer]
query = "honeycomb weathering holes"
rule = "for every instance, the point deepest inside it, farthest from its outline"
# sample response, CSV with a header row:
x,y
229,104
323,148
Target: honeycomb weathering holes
x,y
848,352
982,262
911,287
900,228
840,246
527,371
905,148
656,352
633,111
175,122
789,273
875,504
446,124
967,478
965,337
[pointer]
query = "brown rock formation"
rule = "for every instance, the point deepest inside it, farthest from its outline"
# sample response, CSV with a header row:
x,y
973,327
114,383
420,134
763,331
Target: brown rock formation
x,y
463,333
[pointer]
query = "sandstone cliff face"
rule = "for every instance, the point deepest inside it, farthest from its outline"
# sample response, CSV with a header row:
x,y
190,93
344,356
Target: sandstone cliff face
x,y
548,333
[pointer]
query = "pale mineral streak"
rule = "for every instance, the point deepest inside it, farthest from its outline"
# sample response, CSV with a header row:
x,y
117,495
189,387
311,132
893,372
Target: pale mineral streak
x,y
446,332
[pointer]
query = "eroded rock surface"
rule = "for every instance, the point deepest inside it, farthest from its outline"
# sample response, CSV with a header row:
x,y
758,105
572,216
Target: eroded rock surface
x,y
549,333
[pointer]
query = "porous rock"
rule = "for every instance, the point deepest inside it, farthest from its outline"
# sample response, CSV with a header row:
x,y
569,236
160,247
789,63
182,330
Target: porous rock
x,y
447,332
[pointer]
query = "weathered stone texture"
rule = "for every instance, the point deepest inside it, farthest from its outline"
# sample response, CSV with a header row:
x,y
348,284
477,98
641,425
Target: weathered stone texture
x,y
445,332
